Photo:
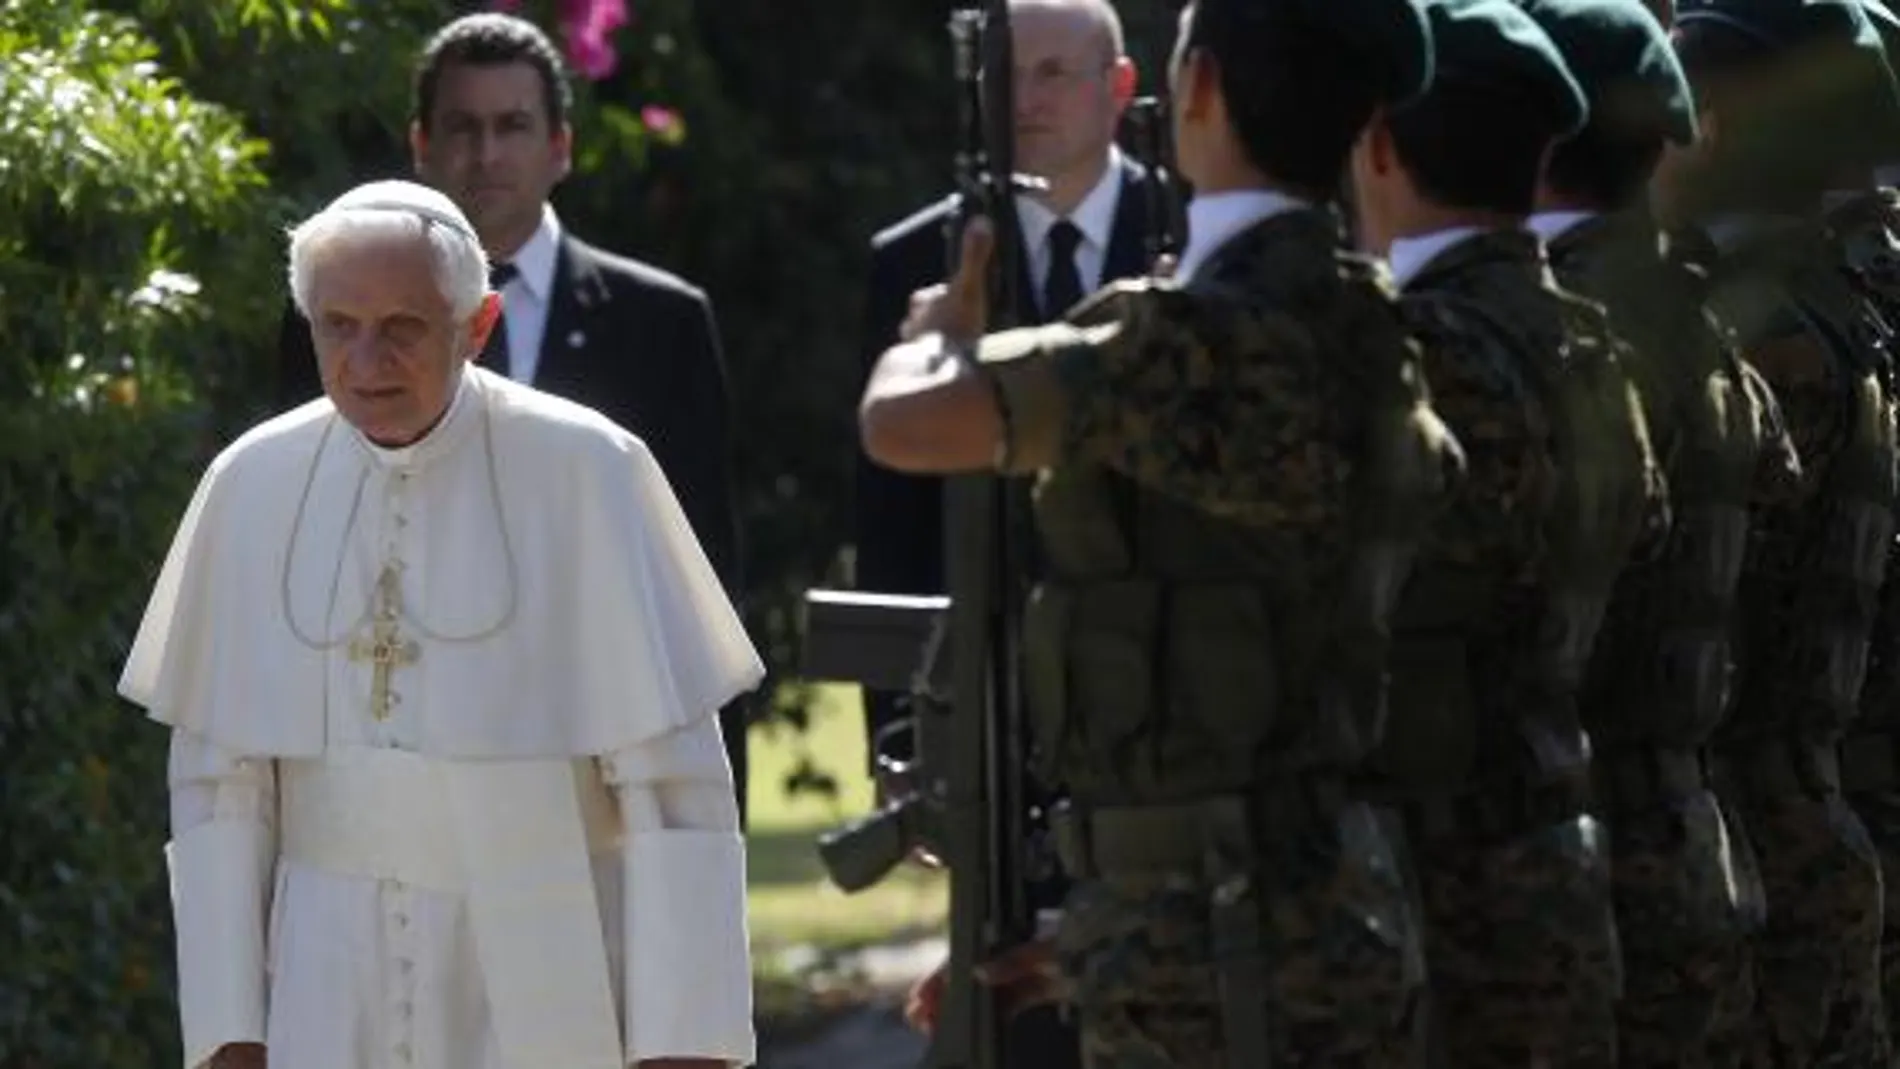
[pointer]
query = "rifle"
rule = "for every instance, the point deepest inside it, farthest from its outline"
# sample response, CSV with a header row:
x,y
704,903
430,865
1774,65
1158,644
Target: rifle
x,y
985,794
1152,129
967,801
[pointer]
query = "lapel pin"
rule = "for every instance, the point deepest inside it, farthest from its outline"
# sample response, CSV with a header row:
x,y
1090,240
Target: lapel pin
x,y
575,339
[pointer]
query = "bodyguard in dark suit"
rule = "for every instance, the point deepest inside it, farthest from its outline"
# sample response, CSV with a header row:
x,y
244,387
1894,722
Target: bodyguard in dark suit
x,y
1073,83
1091,228
633,342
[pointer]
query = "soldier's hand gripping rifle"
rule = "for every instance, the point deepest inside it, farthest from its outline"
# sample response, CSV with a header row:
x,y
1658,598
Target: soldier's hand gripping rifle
x,y
967,802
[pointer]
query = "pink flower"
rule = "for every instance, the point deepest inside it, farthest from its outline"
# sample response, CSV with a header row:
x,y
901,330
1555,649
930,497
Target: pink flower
x,y
663,123
589,26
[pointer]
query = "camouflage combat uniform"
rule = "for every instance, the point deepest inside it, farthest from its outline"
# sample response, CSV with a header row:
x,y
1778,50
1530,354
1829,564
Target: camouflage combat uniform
x,y
1864,229
1484,755
1659,677
1239,467
1807,596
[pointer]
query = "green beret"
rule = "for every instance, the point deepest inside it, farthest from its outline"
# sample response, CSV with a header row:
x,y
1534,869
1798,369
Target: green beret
x,y
1621,56
1784,24
1839,36
1494,44
1387,41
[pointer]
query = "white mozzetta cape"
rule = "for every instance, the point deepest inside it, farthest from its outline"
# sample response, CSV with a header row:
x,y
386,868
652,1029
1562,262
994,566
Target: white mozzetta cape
x,y
622,631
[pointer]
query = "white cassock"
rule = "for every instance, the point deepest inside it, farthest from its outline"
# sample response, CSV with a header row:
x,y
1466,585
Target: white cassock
x,y
532,860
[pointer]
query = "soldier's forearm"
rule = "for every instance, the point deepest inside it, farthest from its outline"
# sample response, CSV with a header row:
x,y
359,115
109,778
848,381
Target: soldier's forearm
x,y
926,410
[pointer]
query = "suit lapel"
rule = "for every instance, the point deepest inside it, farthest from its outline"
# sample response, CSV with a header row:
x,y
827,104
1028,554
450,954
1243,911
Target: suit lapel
x,y
1127,253
578,295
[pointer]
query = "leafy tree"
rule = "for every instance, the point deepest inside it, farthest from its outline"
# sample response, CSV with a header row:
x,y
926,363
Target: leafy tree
x,y
116,194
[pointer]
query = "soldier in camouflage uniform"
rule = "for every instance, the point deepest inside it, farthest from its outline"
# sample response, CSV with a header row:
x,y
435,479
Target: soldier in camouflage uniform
x,y
1485,757
1658,681
1866,227
1235,465
1780,83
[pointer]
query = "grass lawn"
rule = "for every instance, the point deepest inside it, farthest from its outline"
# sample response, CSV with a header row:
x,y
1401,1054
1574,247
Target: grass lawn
x,y
793,905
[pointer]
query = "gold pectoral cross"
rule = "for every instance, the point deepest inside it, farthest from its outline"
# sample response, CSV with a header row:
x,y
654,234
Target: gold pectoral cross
x,y
385,648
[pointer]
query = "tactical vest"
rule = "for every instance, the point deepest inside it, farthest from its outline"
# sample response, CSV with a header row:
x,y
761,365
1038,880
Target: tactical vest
x,y
1491,641
1660,677
1173,655
1866,233
1812,575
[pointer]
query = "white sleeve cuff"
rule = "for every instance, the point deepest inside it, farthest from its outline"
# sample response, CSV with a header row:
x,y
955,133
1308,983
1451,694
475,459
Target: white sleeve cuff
x,y
220,875
689,968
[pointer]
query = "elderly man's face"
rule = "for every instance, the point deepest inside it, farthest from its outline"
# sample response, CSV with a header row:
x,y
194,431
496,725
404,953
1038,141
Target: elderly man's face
x,y
387,345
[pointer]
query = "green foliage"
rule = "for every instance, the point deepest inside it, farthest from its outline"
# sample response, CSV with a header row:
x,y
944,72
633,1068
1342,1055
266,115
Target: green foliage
x,y
114,190
86,932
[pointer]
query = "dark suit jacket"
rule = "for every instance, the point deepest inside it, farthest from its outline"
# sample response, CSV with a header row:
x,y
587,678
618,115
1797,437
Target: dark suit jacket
x,y
900,517
641,347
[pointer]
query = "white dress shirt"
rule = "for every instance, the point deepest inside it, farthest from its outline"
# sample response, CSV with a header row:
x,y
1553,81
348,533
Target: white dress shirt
x,y
1094,216
1216,218
526,299
1549,226
1409,256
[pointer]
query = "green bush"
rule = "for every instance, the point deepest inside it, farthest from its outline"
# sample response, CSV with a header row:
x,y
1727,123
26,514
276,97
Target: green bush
x,y
117,192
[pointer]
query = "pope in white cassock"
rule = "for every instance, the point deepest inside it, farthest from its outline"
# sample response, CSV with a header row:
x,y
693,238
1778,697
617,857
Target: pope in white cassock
x,y
441,659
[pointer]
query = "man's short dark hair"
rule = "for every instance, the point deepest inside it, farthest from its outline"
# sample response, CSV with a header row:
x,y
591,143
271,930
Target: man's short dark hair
x,y
1475,146
492,40
1296,105
1602,169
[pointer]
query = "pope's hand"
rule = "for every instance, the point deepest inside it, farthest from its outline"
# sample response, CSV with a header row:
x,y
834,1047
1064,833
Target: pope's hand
x,y
958,309
240,1056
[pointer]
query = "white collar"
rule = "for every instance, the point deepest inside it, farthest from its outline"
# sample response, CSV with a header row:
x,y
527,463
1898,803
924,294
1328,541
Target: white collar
x,y
1553,225
1094,216
440,439
535,258
1408,256
1214,219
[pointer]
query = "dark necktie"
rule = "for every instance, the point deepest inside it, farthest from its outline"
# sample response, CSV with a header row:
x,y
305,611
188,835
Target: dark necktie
x,y
495,352
1063,286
